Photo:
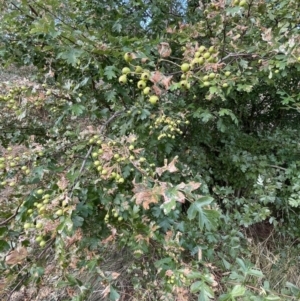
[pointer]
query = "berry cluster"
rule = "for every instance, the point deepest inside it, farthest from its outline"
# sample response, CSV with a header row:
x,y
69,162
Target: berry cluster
x,y
143,78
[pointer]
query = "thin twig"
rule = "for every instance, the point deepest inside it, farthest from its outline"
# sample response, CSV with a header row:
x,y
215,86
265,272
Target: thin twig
x,y
234,55
16,287
11,217
278,167
104,125
46,248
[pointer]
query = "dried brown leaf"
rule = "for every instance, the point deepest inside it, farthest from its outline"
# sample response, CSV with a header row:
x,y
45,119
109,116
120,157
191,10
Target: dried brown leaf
x,y
180,197
167,81
168,167
107,152
164,49
62,183
171,30
115,275
16,256
145,195
182,294
191,186
169,273
267,34
111,237
106,291
157,90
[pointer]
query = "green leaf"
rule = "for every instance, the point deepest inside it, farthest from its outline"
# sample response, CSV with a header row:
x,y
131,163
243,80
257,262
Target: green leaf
x,y
163,263
77,221
3,230
110,72
117,27
77,109
110,95
194,275
207,218
71,56
4,246
256,273
196,286
72,280
238,291
113,294
272,298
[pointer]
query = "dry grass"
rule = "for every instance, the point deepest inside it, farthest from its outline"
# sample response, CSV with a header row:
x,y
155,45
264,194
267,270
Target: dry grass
x,y
277,257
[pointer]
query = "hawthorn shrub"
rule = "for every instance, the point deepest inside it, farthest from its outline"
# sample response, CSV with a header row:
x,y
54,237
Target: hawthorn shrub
x,y
141,146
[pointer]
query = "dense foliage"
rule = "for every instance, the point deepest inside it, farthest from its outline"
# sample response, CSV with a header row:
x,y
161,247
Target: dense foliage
x,y
157,131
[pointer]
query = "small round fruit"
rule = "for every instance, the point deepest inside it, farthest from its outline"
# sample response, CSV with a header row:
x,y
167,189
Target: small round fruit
x,y
276,71
141,84
201,49
185,67
97,163
11,184
147,90
138,69
59,212
145,76
227,73
194,62
120,218
183,84
243,3
298,59
128,56
153,99
27,225
225,85
125,70
40,191
200,60
121,180
131,147
39,225
206,55
205,77
212,75
197,54
206,84
94,154
39,238
42,244
123,79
